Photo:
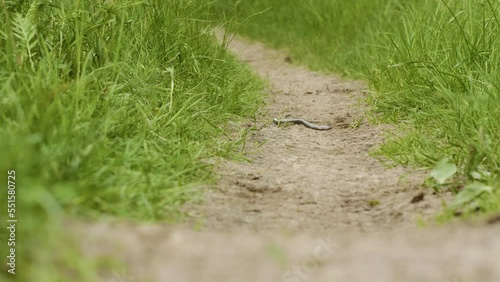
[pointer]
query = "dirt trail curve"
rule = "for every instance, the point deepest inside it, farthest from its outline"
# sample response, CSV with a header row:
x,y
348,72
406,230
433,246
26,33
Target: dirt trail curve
x,y
311,206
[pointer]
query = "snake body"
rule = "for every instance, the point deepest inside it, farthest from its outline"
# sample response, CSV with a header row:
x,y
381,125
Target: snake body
x,y
301,121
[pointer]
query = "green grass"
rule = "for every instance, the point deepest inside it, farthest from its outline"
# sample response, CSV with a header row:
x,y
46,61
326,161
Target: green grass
x,y
109,107
433,68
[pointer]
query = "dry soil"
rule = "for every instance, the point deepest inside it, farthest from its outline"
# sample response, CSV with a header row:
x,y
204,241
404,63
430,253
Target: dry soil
x,y
308,206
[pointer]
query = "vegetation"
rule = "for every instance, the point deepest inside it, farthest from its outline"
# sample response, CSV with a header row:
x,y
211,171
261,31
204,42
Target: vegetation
x,y
109,107
433,67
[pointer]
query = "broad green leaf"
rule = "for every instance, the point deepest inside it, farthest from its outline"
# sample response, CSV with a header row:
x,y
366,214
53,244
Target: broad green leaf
x,y
476,175
443,170
470,192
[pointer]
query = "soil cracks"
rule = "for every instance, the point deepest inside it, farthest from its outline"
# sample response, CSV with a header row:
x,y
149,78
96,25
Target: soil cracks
x,y
309,206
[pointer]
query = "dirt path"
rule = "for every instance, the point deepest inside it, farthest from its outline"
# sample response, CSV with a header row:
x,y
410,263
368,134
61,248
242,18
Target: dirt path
x,y
310,206
302,179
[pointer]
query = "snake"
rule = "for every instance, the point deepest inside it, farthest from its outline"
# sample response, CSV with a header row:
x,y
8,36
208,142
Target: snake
x,y
301,121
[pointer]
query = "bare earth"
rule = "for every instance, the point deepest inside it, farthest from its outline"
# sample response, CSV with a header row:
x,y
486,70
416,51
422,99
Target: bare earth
x,y
310,206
